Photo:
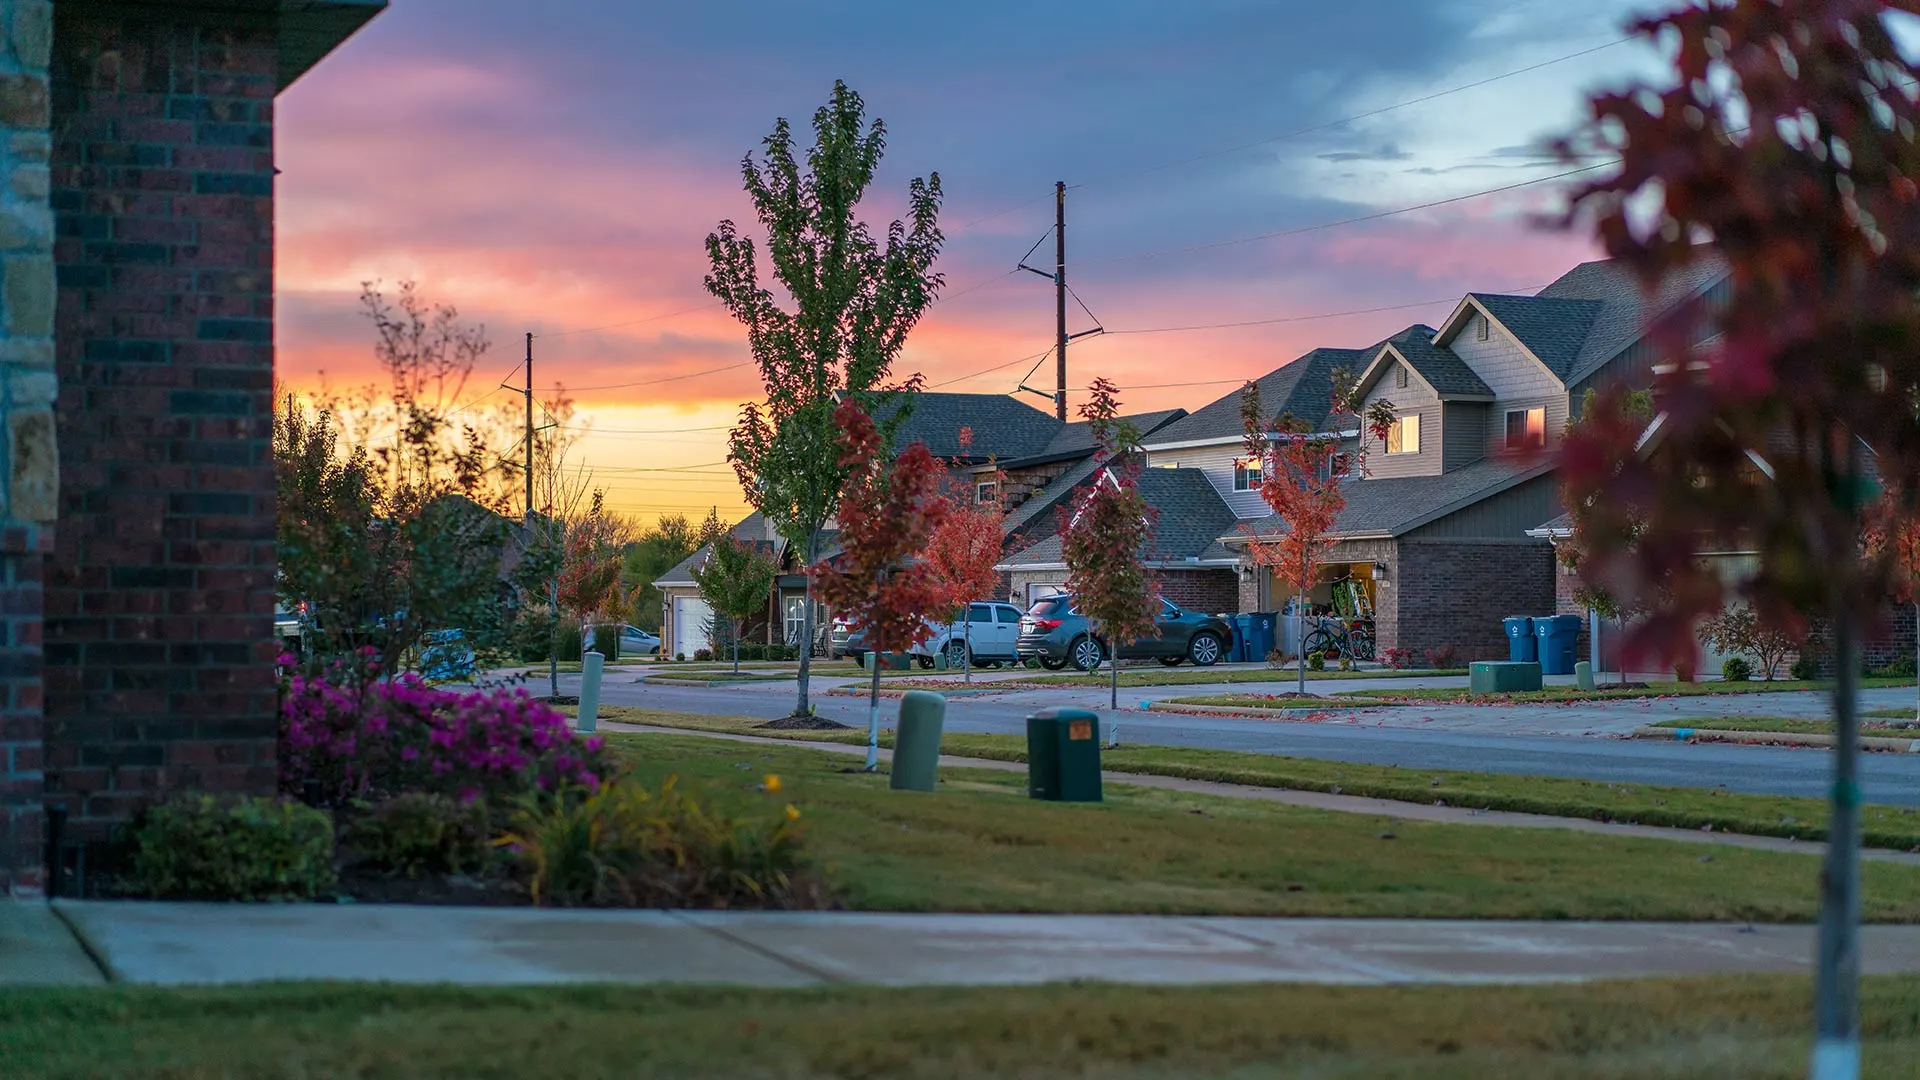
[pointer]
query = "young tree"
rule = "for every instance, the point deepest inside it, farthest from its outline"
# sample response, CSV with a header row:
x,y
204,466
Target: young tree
x,y
1301,480
590,585
854,301
965,548
1782,136
1107,536
387,522
1893,533
1612,420
887,515
735,578
657,550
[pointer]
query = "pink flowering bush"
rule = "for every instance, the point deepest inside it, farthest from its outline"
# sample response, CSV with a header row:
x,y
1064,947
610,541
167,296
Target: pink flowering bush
x,y
346,734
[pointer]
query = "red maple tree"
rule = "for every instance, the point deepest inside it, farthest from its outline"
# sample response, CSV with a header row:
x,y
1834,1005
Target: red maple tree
x,y
1107,535
1893,533
1782,137
888,513
965,547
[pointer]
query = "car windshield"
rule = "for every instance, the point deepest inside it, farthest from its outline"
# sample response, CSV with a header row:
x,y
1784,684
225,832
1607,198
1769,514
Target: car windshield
x,y
1043,608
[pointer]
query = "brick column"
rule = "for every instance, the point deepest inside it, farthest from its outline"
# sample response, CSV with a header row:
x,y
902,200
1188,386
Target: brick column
x,y
31,476
159,595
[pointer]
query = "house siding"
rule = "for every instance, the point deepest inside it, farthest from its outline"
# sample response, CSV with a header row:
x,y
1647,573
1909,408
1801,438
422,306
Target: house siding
x,y
1415,399
1517,380
1463,428
1505,516
1216,462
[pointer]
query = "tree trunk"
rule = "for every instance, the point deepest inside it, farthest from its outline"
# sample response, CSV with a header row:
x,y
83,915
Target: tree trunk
x,y
806,630
966,638
1300,616
553,642
873,713
1113,685
1916,661
1836,1047
735,624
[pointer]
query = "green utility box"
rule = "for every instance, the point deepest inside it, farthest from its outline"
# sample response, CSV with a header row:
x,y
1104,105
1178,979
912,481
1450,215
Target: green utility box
x,y
1502,676
1063,755
916,742
1583,674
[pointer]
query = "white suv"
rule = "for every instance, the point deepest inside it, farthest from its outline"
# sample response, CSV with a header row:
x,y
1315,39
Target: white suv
x,y
990,630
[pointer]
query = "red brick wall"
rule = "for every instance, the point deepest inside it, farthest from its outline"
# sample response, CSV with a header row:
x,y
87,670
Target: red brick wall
x,y
159,591
22,554
1456,592
1209,592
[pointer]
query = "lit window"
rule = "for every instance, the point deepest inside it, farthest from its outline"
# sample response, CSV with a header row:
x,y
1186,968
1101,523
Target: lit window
x,y
985,491
1526,428
1399,377
1404,436
1246,475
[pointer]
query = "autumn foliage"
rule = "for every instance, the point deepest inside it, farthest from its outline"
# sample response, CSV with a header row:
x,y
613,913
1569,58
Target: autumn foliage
x,y
1109,531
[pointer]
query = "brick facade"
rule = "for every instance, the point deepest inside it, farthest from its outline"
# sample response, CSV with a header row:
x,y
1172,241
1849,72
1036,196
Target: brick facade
x,y
1456,592
159,591
29,480
1209,592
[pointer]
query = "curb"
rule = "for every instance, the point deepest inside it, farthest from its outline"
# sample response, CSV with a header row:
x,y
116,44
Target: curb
x,y
893,692
657,680
1774,738
1245,710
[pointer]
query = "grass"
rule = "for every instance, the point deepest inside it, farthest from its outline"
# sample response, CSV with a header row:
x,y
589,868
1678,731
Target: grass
x,y
1186,676
1904,713
1272,701
1753,1027
982,845
1786,725
1641,804
1602,693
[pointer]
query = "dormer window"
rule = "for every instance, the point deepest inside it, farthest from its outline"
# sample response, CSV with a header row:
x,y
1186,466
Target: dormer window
x,y
1403,437
1399,376
1246,474
1526,428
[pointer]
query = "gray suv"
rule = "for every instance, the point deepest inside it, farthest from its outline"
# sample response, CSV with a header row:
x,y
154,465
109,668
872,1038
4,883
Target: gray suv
x,y
1056,634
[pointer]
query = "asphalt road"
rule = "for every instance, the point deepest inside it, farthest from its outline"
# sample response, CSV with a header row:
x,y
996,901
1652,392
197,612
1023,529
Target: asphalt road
x,y
1886,778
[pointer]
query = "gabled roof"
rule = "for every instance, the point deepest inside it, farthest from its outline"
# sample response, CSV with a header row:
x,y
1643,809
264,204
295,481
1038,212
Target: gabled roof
x,y
1392,506
1437,366
1552,331
1189,519
1003,427
1303,388
752,529
1558,528
1077,438
1626,308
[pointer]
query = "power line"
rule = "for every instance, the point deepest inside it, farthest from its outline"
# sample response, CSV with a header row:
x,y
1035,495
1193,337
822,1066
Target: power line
x,y
1305,318
669,378
631,322
987,371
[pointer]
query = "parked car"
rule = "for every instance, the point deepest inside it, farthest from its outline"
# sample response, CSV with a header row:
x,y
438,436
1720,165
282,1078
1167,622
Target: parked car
x,y
446,656
990,629
286,623
1057,634
852,643
633,640
840,633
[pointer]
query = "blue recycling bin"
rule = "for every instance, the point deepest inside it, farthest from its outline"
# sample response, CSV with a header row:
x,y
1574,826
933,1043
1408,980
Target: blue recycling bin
x,y
1559,639
1520,642
1242,633
1260,635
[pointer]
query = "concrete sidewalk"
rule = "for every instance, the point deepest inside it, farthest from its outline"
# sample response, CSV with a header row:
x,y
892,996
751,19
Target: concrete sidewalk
x,y
198,944
37,949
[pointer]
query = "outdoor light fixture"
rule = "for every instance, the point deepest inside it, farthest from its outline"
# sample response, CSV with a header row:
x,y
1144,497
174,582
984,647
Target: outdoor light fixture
x,y
1379,569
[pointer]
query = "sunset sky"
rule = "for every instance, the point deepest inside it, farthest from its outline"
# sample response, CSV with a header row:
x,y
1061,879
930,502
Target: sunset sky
x,y
556,167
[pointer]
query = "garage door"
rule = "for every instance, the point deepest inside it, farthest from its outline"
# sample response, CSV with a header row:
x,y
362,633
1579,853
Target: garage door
x,y
1035,591
690,616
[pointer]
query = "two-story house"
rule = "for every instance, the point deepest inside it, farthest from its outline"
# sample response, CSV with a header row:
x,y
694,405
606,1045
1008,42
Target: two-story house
x,y
1038,458
1434,542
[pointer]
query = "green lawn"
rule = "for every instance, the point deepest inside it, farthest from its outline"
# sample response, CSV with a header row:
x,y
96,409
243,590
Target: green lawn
x,y
1602,693
980,844
1643,804
1274,701
1750,1027
1165,676
1906,712
1788,725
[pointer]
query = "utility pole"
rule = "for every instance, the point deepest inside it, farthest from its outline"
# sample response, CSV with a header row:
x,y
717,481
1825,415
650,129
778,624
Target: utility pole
x,y
529,393
1060,298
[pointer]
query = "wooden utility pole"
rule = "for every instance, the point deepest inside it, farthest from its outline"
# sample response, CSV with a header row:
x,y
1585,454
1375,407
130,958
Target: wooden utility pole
x,y
1060,298
529,429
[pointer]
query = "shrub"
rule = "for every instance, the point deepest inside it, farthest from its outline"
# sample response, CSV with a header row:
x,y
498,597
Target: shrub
x,y
680,656
1443,657
1279,659
1804,668
624,845
1736,669
420,832
1316,661
1397,659
353,736
701,656
202,848
568,642
1903,668
606,640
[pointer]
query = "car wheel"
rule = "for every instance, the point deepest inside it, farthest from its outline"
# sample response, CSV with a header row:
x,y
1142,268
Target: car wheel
x,y
1052,663
1172,661
1204,649
957,655
923,662
1086,653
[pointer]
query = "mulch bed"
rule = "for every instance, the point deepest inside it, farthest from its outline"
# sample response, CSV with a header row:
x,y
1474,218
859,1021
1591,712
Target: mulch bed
x,y
560,699
431,890
804,723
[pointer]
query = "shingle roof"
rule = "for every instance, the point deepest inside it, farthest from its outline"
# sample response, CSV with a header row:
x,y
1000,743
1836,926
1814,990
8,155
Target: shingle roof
x,y
1003,427
1445,372
1189,520
1394,505
1048,498
1077,437
1303,388
1563,523
1555,329
751,528
1627,308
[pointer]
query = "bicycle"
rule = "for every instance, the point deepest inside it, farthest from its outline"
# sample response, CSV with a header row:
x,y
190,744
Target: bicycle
x,y
1341,640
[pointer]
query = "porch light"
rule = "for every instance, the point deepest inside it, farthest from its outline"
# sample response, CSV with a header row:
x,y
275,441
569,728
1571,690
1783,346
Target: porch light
x,y
1379,570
